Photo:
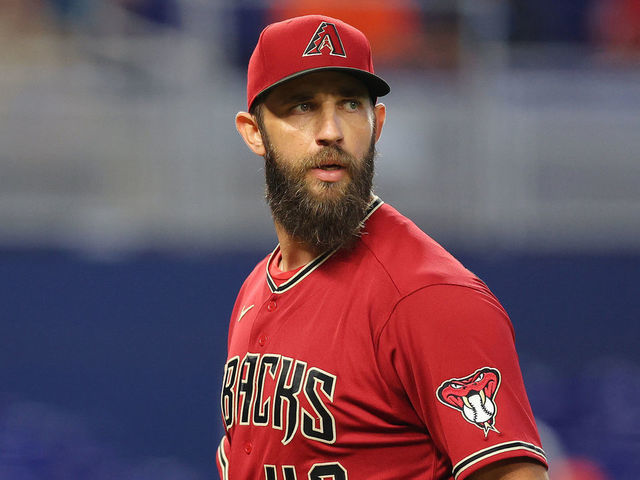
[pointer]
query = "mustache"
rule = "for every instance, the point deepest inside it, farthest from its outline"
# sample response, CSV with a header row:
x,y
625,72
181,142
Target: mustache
x,y
331,155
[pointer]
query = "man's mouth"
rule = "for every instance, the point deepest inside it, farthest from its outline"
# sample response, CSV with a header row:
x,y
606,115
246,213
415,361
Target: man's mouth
x,y
329,172
332,166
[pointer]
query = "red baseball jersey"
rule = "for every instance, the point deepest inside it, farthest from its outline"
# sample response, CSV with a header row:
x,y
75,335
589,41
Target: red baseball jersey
x,y
388,361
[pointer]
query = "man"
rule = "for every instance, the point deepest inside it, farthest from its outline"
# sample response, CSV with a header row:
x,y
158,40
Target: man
x,y
359,349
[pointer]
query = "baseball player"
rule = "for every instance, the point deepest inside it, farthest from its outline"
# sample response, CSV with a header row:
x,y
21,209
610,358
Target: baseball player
x,y
359,348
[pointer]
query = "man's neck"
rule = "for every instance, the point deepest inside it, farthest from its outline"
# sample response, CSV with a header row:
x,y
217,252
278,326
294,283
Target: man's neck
x,y
294,252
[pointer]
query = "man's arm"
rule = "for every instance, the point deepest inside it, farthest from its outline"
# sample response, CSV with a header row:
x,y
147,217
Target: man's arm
x,y
514,469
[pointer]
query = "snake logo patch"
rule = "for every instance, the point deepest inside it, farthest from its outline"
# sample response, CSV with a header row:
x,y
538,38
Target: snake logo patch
x,y
325,38
474,397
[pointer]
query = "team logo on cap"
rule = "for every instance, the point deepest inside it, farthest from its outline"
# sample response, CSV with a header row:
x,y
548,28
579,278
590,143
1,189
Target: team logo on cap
x,y
325,39
474,396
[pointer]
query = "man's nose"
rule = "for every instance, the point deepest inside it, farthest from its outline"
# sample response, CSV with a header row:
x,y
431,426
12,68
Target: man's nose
x,y
329,128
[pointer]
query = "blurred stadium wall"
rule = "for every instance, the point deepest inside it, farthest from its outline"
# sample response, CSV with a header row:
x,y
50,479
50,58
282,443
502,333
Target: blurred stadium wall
x,y
130,212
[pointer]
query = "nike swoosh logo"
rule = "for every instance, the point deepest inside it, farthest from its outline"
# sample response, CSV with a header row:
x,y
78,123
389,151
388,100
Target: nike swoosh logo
x,y
244,311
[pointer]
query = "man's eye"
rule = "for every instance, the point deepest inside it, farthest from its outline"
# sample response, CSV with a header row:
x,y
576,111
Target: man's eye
x,y
302,107
352,105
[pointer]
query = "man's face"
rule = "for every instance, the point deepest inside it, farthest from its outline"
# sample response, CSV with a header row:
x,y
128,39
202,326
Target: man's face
x,y
319,135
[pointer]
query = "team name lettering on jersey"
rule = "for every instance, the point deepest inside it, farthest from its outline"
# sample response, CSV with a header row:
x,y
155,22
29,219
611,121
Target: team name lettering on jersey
x,y
280,392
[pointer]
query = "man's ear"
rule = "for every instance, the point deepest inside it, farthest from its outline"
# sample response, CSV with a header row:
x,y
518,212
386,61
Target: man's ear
x,y
247,127
380,115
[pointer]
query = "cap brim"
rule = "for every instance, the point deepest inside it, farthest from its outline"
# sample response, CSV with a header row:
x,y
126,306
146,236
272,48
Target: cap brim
x,y
376,85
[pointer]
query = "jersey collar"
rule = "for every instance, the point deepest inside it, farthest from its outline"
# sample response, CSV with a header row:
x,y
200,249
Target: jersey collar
x,y
316,262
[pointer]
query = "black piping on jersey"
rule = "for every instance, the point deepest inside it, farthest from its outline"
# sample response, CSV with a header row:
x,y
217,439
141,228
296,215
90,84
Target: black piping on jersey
x,y
495,450
222,458
316,262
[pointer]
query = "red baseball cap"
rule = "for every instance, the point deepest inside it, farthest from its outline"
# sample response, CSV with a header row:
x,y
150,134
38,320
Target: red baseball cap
x,y
301,45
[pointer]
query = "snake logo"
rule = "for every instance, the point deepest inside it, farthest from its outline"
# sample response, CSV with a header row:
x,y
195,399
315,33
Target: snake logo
x,y
474,397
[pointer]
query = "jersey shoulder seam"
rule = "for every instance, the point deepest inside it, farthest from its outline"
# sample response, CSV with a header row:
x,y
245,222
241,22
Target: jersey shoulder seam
x,y
412,292
384,268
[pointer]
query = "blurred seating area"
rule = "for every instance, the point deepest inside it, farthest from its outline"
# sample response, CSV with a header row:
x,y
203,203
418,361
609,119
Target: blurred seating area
x,y
420,34
115,121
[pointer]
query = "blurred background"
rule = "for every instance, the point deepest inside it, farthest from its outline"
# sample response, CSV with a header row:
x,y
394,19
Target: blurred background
x,y
130,212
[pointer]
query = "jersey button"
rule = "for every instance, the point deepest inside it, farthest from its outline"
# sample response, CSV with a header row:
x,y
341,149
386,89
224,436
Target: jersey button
x,y
272,305
247,448
262,341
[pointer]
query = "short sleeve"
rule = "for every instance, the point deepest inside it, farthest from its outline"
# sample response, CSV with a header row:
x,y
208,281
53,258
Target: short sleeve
x,y
451,349
222,458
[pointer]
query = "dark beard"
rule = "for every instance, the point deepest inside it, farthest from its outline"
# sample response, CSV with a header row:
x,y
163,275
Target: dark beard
x,y
324,221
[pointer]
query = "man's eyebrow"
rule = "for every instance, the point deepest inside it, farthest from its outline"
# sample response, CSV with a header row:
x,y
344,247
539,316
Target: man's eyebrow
x,y
298,97
352,92
305,96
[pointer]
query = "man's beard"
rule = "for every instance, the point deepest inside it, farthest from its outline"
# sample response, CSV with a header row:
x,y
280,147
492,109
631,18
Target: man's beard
x,y
326,220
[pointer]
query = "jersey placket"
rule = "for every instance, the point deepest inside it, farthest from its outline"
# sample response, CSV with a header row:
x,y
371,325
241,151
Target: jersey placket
x,y
259,324
264,323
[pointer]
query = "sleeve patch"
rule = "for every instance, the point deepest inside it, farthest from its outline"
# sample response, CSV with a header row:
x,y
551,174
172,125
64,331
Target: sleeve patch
x,y
474,397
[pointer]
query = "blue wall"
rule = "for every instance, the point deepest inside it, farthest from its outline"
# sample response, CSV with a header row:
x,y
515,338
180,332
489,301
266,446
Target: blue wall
x,y
125,356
